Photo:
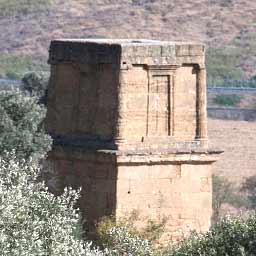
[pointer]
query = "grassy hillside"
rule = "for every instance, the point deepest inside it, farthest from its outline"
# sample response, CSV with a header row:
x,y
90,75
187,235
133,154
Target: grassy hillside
x,y
22,7
27,26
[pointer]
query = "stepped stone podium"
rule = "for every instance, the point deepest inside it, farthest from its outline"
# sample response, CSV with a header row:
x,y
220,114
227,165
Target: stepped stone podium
x,y
129,123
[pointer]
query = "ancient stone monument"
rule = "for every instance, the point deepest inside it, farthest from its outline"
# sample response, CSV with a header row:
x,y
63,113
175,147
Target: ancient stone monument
x,y
129,123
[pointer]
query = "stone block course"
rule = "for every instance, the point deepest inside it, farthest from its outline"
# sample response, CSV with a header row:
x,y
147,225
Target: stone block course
x,y
128,118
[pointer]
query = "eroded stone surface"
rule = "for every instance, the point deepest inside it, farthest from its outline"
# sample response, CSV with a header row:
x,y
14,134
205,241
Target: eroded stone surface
x,y
128,118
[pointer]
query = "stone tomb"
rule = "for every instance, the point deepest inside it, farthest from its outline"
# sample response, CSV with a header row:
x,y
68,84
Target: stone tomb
x,y
129,123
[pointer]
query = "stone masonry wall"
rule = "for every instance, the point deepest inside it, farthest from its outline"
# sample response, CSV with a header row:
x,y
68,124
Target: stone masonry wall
x,y
146,115
78,102
128,119
181,193
185,103
175,188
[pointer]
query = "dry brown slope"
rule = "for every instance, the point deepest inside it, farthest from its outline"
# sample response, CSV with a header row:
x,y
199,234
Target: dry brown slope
x,y
215,22
238,140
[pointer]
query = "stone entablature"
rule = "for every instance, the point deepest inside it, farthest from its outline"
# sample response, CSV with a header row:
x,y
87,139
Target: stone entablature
x,y
129,123
126,51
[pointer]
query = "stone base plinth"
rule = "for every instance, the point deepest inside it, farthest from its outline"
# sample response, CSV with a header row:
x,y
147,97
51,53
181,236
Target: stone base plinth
x,y
176,186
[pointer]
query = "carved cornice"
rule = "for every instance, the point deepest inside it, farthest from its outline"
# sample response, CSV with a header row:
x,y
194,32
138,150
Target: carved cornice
x,y
161,67
160,53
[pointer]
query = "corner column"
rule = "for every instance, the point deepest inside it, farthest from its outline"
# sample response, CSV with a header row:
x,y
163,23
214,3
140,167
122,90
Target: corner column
x,y
202,106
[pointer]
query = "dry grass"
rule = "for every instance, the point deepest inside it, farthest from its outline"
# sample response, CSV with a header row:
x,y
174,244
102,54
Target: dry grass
x,y
247,100
22,7
238,140
216,22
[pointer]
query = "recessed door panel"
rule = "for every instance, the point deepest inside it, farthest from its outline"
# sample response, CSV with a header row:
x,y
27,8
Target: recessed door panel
x,y
159,105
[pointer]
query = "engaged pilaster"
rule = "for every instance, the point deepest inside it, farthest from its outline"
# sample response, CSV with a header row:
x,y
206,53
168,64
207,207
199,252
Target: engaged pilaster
x,y
202,106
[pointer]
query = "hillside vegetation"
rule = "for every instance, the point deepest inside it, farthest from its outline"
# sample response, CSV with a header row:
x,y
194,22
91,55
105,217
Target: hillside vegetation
x,y
228,27
35,222
14,7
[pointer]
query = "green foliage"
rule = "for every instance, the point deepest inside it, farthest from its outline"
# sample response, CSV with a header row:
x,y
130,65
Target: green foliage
x,y
151,232
23,7
234,236
230,237
225,191
154,229
14,67
108,222
123,242
102,229
222,65
36,83
21,125
249,187
227,100
247,43
238,83
221,194
34,222
122,238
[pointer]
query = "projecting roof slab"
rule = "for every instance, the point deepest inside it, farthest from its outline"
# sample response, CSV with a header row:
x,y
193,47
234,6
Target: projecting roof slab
x,y
124,51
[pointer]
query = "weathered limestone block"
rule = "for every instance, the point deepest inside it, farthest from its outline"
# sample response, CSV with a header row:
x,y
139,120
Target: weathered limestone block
x,y
128,119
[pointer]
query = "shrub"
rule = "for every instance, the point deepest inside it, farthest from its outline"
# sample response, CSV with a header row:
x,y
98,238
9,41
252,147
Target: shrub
x,y
14,67
227,100
234,236
225,192
221,64
34,222
151,232
36,83
249,187
154,229
21,125
122,236
123,242
230,237
239,83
